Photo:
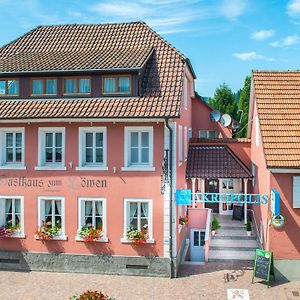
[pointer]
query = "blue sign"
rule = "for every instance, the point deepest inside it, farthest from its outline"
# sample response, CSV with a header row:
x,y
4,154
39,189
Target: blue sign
x,y
183,197
275,202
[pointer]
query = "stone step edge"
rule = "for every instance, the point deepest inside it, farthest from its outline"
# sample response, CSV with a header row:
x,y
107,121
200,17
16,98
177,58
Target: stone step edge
x,y
223,237
223,260
230,248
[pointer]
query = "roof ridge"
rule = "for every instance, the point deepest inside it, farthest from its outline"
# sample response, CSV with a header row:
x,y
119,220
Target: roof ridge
x,y
276,71
92,24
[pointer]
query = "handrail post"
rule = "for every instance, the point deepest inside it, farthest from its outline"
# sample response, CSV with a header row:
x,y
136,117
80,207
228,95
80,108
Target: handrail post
x,y
193,190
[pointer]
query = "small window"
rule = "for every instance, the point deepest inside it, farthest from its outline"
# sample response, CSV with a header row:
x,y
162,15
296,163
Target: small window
x,y
190,133
227,184
44,86
51,213
77,86
92,213
9,87
186,145
92,147
138,146
11,216
256,131
138,215
185,93
179,144
207,134
12,150
117,85
52,147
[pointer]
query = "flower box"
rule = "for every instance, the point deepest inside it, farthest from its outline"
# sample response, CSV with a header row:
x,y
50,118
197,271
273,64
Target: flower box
x,y
137,236
90,234
9,230
47,232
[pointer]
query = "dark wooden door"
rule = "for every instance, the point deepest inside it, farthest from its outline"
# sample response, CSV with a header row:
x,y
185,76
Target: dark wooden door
x,y
212,186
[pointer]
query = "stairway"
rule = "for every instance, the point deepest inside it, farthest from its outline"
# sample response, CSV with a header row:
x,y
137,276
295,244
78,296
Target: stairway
x,y
231,243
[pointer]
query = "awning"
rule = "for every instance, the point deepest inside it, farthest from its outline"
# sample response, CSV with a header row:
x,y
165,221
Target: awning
x,y
215,162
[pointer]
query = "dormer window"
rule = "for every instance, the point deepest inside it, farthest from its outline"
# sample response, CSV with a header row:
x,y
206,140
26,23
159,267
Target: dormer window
x,y
75,86
115,85
46,86
9,87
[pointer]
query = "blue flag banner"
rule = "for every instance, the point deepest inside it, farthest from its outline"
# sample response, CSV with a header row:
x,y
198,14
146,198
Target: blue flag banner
x,y
183,197
275,202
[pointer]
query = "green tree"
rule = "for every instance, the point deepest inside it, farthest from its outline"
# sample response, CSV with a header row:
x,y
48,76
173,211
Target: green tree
x,y
224,101
243,107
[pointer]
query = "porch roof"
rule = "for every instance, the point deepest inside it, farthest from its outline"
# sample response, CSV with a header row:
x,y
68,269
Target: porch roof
x,y
215,162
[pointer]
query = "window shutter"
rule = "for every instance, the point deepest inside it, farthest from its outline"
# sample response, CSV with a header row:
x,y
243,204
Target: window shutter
x,y
296,191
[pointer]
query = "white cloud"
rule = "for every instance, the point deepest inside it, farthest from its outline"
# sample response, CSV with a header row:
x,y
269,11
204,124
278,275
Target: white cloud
x,y
293,8
290,40
262,34
246,56
232,9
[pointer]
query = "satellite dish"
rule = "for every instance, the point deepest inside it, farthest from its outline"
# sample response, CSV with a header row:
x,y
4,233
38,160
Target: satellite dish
x,y
225,120
235,125
215,115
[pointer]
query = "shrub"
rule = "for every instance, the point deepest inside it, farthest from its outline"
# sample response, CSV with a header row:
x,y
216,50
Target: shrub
x,y
215,224
249,226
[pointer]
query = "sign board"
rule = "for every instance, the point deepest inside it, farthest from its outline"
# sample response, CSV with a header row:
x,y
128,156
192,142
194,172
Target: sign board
x,y
275,202
183,197
263,265
237,212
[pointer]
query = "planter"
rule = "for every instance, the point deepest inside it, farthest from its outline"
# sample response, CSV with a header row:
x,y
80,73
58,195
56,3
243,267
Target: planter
x,y
213,232
249,233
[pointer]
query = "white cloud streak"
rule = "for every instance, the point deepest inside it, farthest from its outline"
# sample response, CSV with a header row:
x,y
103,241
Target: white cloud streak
x,y
293,8
288,41
247,56
262,35
232,9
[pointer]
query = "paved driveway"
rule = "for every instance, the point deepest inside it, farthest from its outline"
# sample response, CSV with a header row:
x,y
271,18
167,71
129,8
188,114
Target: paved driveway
x,y
206,282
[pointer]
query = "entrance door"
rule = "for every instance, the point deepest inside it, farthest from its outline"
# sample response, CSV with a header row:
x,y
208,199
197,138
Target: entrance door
x,y
197,245
212,186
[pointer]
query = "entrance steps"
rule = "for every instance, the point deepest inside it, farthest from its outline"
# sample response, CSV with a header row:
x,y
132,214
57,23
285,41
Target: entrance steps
x,y
231,243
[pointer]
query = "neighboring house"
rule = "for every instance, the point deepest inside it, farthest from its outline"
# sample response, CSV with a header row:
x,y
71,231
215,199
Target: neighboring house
x,y
89,114
275,151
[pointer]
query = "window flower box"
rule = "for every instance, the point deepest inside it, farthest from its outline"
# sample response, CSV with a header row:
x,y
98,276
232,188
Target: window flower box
x,y
47,232
183,221
9,230
137,236
90,233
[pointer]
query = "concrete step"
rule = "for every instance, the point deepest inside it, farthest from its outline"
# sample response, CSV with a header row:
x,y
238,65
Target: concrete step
x,y
230,255
229,243
244,238
232,232
233,224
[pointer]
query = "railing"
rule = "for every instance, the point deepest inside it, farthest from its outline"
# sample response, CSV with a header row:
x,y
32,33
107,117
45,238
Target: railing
x,y
256,229
208,225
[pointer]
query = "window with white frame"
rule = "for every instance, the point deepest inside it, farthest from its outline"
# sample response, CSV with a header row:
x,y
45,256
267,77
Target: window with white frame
x,y
185,93
190,133
51,212
92,213
92,147
12,142
228,184
138,147
138,215
256,131
12,215
179,144
52,147
186,145
207,134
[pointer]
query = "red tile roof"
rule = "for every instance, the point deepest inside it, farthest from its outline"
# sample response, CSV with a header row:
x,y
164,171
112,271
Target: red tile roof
x,y
214,162
72,47
277,95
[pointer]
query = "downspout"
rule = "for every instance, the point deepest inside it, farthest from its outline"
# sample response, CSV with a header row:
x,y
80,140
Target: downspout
x,y
171,197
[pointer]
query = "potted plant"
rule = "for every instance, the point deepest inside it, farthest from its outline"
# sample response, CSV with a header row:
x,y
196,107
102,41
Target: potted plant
x,y
8,230
183,221
137,236
90,233
215,225
249,228
89,295
47,231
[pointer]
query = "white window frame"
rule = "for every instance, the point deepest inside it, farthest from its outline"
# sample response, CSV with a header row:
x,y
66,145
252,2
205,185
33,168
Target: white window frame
x,y
226,183
137,167
180,158
126,216
256,131
185,93
11,165
41,205
190,133
296,191
19,233
207,133
81,151
42,164
81,200
186,145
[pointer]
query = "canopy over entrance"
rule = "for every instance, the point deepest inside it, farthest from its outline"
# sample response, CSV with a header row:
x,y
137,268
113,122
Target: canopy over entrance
x,y
214,162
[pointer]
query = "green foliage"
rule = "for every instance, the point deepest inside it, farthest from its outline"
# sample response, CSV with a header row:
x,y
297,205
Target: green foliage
x,y
243,105
249,226
215,224
224,101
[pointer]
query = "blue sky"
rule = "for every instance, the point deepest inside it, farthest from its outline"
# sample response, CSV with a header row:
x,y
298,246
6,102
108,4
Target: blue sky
x,y
224,39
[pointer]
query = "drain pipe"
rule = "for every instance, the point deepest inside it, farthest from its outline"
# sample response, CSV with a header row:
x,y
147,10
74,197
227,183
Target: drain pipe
x,y
171,197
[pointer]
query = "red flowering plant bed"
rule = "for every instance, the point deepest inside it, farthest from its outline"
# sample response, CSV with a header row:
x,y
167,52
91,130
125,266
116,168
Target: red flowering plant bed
x,y
183,221
90,233
47,231
91,295
137,236
8,230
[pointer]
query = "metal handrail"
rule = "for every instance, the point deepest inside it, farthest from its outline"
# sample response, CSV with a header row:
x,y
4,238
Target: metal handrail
x,y
256,227
208,224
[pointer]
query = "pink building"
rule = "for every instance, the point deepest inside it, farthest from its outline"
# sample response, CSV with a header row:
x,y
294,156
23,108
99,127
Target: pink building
x,y
95,123
275,153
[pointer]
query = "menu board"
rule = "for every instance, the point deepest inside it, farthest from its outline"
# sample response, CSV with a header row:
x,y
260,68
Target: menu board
x,y
263,265
237,212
